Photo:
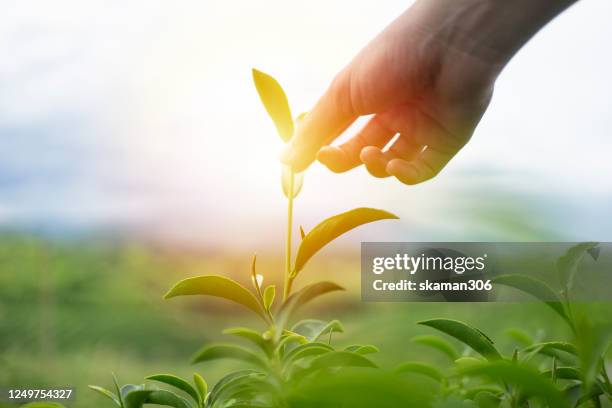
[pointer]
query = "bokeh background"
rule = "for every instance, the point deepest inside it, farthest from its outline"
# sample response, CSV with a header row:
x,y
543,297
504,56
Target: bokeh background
x,y
134,152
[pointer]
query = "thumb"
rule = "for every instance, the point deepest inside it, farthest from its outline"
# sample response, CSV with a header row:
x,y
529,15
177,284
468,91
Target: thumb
x,y
331,115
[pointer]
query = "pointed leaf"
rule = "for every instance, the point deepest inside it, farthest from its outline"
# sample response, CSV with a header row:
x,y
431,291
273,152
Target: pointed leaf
x,y
268,296
254,280
529,381
227,381
312,329
288,338
474,338
201,386
564,352
564,373
118,390
137,398
465,362
219,286
167,398
556,345
177,382
362,349
520,336
275,101
298,181
438,343
306,350
108,394
592,343
332,228
218,351
127,388
252,336
303,296
341,359
420,368
567,265
535,288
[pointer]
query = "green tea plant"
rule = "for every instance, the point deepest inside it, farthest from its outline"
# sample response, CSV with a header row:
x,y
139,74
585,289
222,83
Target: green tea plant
x,y
538,374
296,364
284,353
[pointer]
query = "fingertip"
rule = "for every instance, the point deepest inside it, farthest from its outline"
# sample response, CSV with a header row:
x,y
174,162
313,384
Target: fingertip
x,y
369,154
374,160
333,158
403,171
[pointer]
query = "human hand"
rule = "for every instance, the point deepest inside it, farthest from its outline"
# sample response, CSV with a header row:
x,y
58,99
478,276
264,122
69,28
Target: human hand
x,y
428,77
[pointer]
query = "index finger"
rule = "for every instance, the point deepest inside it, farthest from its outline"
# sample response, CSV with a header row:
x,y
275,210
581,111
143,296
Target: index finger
x,y
329,118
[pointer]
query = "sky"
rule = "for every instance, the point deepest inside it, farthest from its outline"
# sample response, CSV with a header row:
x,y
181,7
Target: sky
x,y
140,117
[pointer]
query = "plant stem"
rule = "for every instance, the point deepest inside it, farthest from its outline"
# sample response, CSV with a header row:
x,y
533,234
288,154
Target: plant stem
x,y
287,285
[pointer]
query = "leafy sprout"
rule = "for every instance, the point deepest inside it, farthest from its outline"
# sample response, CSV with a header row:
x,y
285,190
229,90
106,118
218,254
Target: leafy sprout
x,y
296,364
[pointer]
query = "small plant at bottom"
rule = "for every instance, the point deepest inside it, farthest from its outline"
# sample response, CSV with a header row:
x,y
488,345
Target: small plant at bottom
x,y
555,374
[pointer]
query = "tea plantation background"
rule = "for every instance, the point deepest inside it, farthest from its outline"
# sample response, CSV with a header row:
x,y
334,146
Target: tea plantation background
x,y
73,312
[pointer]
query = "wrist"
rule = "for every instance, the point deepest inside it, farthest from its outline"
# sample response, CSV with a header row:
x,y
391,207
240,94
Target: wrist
x,y
489,30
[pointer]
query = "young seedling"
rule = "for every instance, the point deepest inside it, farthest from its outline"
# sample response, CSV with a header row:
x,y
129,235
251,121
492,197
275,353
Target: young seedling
x,y
285,357
282,354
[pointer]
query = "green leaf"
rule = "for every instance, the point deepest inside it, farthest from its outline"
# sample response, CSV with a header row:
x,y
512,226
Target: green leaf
x,y
227,381
252,336
332,228
177,382
303,296
553,345
592,342
312,329
465,362
287,338
306,350
420,368
219,286
567,265
529,381
108,394
535,288
298,181
438,343
201,386
520,336
268,296
362,349
275,101
564,373
43,405
218,351
486,399
127,388
341,359
466,334
118,390
471,393
137,398
333,359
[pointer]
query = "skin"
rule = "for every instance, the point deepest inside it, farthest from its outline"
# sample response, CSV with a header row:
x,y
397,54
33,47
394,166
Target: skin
x,y
428,77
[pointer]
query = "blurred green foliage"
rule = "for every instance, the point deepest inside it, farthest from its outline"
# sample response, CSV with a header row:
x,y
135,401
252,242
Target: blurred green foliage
x,y
73,312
